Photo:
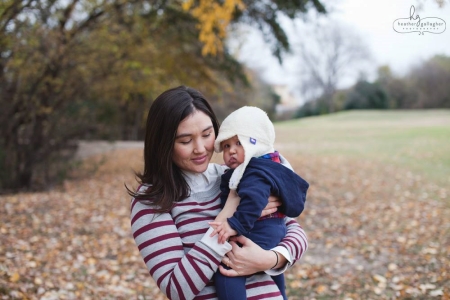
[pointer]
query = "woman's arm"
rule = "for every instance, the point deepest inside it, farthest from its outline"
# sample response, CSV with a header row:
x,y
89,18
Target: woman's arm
x,y
248,260
272,206
292,247
178,275
251,258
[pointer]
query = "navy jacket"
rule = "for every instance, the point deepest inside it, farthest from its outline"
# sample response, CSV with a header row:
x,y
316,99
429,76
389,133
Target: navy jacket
x,y
261,178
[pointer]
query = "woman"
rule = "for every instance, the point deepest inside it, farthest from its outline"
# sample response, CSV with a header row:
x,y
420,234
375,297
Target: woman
x,y
179,195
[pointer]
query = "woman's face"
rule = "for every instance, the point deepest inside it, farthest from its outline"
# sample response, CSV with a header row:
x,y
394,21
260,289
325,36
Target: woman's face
x,y
194,143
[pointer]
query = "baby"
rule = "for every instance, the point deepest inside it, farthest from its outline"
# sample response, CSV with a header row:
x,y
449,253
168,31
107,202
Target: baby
x,y
247,138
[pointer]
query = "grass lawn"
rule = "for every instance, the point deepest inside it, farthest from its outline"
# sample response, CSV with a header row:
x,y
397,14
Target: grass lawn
x,y
417,140
377,205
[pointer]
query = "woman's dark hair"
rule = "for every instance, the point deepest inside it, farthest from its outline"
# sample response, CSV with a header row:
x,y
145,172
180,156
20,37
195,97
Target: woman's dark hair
x,y
164,178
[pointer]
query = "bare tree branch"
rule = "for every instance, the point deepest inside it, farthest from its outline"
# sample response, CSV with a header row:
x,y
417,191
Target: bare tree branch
x,y
330,54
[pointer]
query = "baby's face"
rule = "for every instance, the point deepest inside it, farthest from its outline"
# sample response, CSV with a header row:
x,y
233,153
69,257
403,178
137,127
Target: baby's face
x,y
233,152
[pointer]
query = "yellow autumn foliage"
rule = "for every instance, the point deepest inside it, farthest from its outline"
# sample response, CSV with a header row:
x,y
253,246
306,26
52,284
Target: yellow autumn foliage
x,y
213,18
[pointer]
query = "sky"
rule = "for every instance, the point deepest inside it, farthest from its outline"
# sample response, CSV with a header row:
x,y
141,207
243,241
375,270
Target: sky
x,y
373,22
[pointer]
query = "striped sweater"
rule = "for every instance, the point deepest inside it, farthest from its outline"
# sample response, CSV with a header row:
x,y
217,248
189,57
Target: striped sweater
x,y
182,258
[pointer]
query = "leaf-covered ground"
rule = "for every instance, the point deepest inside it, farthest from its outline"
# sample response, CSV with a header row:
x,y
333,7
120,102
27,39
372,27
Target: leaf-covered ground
x,y
375,232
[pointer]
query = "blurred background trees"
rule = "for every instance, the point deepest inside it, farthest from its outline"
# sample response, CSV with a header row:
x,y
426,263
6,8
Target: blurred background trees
x,y
88,69
327,55
424,86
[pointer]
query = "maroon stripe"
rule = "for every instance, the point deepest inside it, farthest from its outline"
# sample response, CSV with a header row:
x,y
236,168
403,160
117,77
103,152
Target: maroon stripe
x,y
206,208
302,232
291,222
134,199
219,206
188,279
291,240
205,297
151,226
264,296
163,263
161,278
168,290
162,251
207,254
194,262
287,246
197,203
303,245
194,232
288,239
259,284
193,220
198,212
203,262
133,203
158,239
304,238
142,213
178,287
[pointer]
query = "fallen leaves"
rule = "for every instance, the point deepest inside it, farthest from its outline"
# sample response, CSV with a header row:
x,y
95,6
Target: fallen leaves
x,y
14,277
73,243
375,232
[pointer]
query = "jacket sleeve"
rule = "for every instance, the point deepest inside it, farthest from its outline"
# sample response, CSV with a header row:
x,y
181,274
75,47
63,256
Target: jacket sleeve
x,y
292,191
254,190
179,275
295,242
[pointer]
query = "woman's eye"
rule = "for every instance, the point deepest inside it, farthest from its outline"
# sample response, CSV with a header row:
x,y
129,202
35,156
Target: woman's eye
x,y
185,142
207,135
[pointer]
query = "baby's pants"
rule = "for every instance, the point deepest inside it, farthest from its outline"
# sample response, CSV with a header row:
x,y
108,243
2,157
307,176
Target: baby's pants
x,y
266,233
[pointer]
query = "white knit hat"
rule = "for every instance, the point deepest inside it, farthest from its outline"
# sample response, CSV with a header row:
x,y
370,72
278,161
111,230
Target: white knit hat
x,y
254,130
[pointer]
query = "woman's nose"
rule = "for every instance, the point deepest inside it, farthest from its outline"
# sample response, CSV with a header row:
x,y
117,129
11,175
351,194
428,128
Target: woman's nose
x,y
199,147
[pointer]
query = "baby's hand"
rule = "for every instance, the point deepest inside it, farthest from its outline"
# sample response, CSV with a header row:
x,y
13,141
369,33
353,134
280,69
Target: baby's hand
x,y
223,229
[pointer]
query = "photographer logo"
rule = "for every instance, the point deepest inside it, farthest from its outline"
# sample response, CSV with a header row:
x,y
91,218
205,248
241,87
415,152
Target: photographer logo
x,y
421,25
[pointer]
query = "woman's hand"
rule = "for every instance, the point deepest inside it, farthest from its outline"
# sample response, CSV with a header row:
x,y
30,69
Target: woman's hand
x,y
249,259
272,206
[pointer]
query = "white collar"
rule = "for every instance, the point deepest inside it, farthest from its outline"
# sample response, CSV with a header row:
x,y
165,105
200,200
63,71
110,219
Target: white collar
x,y
196,181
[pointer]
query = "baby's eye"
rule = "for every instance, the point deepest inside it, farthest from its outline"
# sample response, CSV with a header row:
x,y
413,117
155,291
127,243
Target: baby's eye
x,y
238,143
226,146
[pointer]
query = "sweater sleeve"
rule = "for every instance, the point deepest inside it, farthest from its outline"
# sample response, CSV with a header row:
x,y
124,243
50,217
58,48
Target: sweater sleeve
x,y
292,247
295,241
179,275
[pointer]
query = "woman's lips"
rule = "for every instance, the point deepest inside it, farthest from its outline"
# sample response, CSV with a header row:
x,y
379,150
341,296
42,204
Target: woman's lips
x,y
200,160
